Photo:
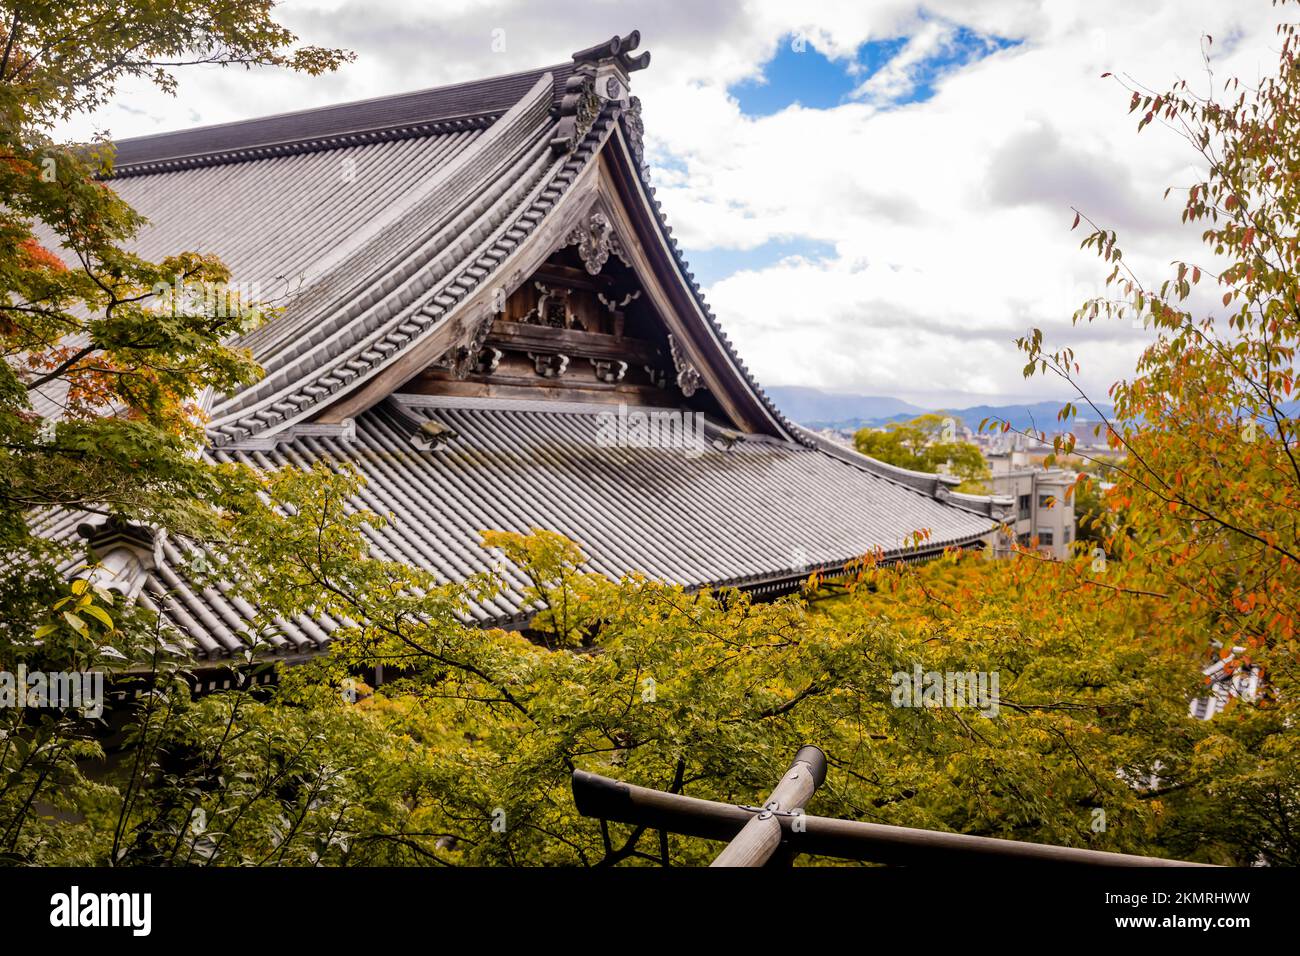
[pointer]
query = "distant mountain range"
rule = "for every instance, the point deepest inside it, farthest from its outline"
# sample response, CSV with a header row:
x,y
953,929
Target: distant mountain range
x,y
813,408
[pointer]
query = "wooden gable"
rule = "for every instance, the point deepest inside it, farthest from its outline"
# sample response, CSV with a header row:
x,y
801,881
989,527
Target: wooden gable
x,y
579,329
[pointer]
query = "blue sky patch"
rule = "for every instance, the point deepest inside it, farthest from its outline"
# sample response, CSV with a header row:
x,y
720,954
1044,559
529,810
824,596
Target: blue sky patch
x,y
710,265
812,80
808,78
966,47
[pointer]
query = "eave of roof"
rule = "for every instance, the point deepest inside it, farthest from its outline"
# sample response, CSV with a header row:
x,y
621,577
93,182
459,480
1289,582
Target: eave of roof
x,y
760,514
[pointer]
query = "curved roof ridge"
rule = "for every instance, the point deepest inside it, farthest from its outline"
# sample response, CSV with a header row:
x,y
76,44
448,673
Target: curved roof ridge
x,y
442,109
265,340
938,486
364,355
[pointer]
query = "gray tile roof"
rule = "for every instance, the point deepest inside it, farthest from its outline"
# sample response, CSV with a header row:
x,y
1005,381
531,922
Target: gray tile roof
x,y
272,220
369,223
760,512
392,282
366,239
390,286
475,104
753,512
372,223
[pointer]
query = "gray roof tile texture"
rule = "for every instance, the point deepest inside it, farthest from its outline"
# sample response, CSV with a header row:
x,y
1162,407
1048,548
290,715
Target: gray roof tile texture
x,y
760,509
297,130
271,220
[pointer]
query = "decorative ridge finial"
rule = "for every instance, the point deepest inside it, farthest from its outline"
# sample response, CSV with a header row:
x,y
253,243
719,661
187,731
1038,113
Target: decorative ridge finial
x,y
600,76
617,49
116,529
601,51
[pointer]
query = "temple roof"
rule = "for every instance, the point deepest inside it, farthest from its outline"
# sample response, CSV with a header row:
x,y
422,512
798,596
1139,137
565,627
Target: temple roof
x,y
388,231
382,227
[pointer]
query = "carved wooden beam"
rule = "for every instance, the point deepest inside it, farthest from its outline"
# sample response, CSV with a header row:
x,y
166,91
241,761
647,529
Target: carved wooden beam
x,y
519,337
554,274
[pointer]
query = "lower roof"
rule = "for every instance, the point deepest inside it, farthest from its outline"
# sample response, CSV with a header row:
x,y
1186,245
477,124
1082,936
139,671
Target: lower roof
x,y
729,509
733,510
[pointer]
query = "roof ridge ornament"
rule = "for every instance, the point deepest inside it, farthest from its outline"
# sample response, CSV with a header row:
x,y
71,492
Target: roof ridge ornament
x,y
433,434
126,550
600,76
634,127
618,50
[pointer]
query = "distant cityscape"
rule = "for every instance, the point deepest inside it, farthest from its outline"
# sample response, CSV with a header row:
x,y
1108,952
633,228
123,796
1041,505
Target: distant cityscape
x,y
1043,514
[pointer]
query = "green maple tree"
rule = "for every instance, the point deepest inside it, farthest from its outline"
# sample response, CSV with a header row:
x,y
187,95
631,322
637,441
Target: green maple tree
x,y
926,443
1203,505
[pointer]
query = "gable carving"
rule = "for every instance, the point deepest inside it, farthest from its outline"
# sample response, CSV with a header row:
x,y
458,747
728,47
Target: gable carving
x,y
552,309
689,379
596,240
467,358
609,370
579,326
634,126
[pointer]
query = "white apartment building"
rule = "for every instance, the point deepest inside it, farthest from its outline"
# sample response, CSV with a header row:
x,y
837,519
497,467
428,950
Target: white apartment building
x,y
1042,512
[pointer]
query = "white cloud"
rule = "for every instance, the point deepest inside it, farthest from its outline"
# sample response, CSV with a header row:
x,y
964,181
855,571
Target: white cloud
x,y
897,79
949,218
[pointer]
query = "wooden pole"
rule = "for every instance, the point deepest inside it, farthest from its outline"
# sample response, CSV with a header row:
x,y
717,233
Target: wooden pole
x,y
609,799
759,838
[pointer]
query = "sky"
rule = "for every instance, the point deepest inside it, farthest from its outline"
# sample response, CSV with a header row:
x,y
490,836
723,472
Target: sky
x,y
876,195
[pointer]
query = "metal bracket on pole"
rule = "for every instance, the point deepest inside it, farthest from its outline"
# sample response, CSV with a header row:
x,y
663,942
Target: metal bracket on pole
x,y
760,837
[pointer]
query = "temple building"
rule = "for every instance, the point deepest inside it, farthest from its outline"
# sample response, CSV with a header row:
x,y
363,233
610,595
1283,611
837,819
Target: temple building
x,y
485,313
